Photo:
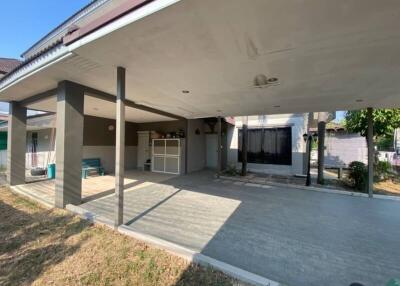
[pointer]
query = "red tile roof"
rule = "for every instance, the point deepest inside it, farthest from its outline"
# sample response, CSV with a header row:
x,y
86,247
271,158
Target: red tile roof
x,y
7,65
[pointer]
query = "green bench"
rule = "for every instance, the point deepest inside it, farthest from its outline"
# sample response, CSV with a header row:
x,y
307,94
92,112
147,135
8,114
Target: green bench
x,y
91,165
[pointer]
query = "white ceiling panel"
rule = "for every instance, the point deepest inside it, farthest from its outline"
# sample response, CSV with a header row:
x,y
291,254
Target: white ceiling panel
x,y
101,108
328,55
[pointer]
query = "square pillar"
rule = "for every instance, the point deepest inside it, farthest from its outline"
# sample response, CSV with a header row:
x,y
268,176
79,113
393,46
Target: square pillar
x,y
186,145
120,148
16,144
244,145
69,142
370,145
219,143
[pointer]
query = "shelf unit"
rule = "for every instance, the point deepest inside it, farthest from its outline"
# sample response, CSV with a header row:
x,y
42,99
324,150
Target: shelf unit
x,y
166,156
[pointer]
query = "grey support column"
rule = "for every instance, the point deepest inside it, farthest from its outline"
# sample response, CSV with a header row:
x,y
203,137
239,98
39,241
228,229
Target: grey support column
x,y
244,147
120,148
370,144
219,142
16,144
186,145
322,118
69,142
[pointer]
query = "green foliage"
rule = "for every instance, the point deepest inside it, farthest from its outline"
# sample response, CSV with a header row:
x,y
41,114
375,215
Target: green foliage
x,y
385,143
358,175
231,170
382,170
385,121
314,144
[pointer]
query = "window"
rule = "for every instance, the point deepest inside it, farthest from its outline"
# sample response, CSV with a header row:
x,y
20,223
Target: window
x,y
268,146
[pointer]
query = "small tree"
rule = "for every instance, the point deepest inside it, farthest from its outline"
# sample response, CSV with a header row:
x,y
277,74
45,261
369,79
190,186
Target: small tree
x,y
385,121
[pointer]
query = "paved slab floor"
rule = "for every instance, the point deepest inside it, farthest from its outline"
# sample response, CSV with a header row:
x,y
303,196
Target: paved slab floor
x,y
297,237
93,187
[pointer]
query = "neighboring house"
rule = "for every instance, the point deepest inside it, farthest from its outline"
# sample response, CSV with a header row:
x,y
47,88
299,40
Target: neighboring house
x,y
7,65
40,141
275,143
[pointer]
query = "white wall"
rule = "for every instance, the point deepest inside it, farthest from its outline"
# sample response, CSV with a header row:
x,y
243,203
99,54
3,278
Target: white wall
x,y
343,148
297,124
43,158
3,159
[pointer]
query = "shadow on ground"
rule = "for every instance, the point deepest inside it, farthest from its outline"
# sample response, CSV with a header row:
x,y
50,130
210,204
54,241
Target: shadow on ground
x,y
293,236
33,241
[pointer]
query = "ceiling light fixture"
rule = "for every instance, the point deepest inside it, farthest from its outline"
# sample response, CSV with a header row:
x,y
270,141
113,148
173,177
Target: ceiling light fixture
x,y
185,91
261,81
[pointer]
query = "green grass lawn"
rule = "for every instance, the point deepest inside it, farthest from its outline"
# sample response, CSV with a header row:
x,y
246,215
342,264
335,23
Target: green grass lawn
x,y
40,246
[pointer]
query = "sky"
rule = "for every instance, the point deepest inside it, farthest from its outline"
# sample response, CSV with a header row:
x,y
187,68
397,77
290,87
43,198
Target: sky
x,y
26,21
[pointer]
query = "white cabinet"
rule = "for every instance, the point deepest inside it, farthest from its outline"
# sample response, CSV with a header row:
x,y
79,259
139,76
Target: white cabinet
x,y
166,155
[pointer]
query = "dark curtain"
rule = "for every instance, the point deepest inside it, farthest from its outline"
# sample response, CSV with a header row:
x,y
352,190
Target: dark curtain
x,y
268,146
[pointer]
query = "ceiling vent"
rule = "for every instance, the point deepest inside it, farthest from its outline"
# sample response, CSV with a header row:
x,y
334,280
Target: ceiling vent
x,y
262,81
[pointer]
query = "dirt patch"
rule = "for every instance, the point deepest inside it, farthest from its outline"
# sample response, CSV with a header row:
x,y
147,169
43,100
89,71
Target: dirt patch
x,y
388,187
42,246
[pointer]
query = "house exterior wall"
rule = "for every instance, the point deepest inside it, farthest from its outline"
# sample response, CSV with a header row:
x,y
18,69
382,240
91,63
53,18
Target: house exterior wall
x,y
297,122
162,127
45,151
196,145
99,142
98,131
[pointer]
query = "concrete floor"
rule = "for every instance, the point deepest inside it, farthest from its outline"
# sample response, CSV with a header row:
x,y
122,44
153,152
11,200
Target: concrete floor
x,y
93,187
296,237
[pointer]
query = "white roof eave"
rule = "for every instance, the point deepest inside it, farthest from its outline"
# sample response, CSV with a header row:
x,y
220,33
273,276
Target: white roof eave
x,y
43,61
61,52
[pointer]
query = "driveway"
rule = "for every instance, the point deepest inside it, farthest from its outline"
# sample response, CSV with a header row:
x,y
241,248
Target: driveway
x,y
296,237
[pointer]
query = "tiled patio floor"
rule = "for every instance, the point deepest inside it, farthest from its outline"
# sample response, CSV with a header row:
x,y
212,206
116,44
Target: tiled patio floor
x,y
93,187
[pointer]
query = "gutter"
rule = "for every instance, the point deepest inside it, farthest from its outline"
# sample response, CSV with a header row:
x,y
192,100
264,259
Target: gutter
x,y
128,13
32,66
107,18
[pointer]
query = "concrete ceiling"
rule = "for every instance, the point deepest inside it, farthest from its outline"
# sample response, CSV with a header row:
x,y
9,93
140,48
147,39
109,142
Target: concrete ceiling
x,y
101,108
328,55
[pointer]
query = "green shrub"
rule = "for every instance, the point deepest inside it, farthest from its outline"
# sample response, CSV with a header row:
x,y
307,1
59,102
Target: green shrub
x,y
382,170
358,175
231,170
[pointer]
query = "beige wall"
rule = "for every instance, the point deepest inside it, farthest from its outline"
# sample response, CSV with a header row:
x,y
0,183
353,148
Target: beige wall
x,y
97,133
99,140
196,145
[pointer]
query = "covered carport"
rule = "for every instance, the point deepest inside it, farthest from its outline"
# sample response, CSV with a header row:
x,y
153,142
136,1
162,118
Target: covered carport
x,y
197,59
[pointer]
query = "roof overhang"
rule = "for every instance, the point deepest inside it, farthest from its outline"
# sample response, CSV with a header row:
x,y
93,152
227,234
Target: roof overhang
x,y
327,55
